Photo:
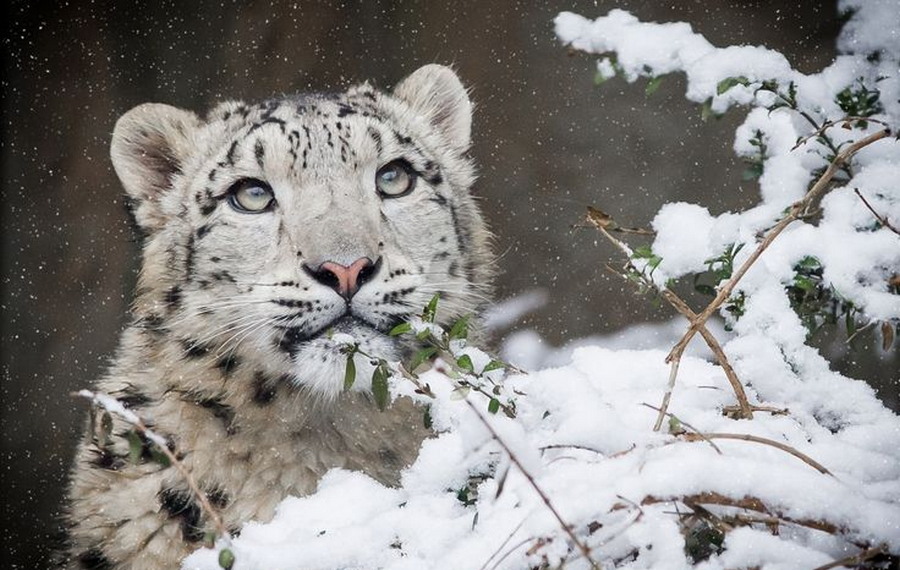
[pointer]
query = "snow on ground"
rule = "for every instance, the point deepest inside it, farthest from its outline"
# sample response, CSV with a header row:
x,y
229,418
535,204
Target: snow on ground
x,y
582,439
584,434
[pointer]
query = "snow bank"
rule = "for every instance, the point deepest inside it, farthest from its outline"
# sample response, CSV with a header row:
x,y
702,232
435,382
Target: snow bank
x,y
584,434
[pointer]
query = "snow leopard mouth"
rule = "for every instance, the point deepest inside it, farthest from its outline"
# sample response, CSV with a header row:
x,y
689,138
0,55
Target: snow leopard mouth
x,y
349,323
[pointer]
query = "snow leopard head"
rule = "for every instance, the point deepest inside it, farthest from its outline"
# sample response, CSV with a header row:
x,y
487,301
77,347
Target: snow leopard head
x,y
269,227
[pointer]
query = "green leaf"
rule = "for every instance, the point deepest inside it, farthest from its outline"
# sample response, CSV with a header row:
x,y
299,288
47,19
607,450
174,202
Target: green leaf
x,y
653,85
752,172
465,362
642,252
226,559
380,386
494,405
349,373
706,110
135,447
460,329
421,356
494,365
730,82
400,329
431,309
427,420
159,457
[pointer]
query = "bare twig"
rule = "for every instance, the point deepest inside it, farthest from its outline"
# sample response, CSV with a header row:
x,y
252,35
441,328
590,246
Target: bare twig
x,y
748,502
756,439
883,220
828,124
856,559
689,426
795,212
584,548
745,410
112,405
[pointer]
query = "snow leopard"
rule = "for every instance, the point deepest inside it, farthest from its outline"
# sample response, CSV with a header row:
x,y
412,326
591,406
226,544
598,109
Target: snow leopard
x,y
267,228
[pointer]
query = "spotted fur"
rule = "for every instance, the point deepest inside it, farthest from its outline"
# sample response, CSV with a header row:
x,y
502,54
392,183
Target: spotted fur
x,y
229,355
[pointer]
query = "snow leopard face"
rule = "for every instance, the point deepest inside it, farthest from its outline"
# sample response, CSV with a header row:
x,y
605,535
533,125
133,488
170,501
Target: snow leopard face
x,y
270,227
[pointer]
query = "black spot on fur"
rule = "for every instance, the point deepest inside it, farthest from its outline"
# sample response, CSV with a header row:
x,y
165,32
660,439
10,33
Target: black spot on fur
x,y
94,559
212,174
105,459
193,349
190,250
376,138
259,151
289,340
264,389
222,411
202,231
344,110
208,208
218,498
173,297
439,199
133,398
180,505
228,364
229,157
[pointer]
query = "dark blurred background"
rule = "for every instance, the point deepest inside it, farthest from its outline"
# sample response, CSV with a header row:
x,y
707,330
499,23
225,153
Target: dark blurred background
x,y
548,142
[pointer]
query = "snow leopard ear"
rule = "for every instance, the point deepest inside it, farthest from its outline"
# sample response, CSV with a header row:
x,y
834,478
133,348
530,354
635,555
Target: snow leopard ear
x,y
435,92
149,146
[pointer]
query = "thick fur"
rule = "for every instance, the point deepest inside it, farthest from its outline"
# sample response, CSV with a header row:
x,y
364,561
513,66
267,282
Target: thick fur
x,y
230,354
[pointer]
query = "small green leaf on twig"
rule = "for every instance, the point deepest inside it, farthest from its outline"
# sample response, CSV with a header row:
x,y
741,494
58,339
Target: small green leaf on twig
x,y
494,365
494,405
431,309
730,82
226,559
421,356
653,85
380,385
465,363
400,329
460,329
349,373
135,447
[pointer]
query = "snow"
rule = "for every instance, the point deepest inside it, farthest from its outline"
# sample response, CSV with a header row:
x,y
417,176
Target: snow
x,y
583,432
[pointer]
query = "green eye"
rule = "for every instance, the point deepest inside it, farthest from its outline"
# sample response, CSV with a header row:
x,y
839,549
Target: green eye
x,y
251,196
395,179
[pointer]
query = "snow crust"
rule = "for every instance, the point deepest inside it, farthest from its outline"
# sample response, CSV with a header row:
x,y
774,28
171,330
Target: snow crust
x,y
584,435
583,429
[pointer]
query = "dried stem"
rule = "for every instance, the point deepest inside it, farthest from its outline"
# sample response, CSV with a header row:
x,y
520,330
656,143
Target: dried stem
x,y
828,124
795,211
745,410
746,437
585,550
112,405
856,559
883,220
748,502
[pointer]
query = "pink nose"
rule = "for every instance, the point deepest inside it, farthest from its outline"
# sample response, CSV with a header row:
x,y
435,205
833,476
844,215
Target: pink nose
x,y
345,279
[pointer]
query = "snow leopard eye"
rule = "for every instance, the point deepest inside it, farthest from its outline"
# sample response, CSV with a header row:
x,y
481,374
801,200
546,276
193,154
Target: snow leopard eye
x,y
395,179
251,196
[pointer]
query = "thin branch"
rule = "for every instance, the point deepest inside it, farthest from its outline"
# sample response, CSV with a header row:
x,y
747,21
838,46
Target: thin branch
x,y
112,405
883,220
748,503
856,559
745,409
795,211
584,548
765,441
697,432
828,124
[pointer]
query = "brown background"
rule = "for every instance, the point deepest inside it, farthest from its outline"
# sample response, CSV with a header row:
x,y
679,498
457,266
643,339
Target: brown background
x,y
548,142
